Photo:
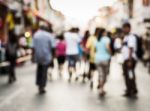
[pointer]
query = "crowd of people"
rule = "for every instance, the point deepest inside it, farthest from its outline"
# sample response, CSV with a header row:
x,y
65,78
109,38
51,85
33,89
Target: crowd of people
x,y
93,50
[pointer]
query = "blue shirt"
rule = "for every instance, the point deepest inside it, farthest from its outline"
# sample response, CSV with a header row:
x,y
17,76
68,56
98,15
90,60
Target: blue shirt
x,y
43,42
102,53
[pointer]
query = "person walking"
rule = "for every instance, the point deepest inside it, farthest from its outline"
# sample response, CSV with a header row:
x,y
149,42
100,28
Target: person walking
x,y
130,59
61,52
72,39
43,52
84,59
90,47
11,55
102,59
146,57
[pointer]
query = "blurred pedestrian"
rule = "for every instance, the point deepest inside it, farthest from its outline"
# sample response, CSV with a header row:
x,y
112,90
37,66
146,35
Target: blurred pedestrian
x,y
43,52
146,56
130,59
102,58
72,39
90,46
11,55
61,52
85,56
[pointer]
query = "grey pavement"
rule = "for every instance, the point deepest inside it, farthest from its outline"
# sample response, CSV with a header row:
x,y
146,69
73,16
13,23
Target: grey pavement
x,y
62,96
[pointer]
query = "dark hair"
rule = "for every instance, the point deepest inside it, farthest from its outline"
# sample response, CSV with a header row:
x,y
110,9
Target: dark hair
x,y
77,29
97,31
101,34
61,37
86,35
109,34
128,25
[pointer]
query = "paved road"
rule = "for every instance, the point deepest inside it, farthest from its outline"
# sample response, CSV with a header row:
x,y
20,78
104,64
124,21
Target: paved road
x,y
62,96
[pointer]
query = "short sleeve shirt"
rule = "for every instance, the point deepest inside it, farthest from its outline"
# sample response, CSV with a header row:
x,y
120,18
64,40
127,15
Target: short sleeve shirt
x,y
102,53
72,41
91,46
129,42
43,42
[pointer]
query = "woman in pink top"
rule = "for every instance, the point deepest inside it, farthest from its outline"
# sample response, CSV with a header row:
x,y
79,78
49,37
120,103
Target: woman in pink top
x,y
61,52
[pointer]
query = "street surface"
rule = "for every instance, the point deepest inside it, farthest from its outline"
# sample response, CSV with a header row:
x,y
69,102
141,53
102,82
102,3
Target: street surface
x,y
76,96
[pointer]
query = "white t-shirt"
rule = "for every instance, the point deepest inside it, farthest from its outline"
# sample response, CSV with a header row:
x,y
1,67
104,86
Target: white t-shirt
x,y
72,41
118,43
129,41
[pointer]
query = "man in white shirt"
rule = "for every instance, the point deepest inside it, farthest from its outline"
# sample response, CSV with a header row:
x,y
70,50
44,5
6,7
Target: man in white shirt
x,y
129,55
72,39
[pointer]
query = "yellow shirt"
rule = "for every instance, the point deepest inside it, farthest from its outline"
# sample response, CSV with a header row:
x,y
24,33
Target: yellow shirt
x,y
10,21
91,46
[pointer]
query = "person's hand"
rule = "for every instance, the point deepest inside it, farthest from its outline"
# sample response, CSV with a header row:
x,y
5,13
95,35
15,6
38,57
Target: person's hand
x,y
129,64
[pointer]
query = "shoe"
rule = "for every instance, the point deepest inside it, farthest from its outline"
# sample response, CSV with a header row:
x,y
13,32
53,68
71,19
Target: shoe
x,y
127,95
102,94
42,91
11,80
135,92
98,87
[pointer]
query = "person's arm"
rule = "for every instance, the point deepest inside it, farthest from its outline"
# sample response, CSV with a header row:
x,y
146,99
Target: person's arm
x,y
33,50
108,46
131,45
53,45
88,45
109,49
130,53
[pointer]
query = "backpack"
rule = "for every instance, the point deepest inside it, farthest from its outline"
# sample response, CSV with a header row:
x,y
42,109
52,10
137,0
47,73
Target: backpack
x,y
140,51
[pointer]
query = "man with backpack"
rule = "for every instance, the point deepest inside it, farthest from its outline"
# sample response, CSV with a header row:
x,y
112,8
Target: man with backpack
x,y
130,59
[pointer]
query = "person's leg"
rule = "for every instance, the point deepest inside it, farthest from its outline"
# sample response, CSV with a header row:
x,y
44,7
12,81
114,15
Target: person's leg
x,y
126,78
91,74
51,68
12,75
10,80
39,78
38,74
99,69
104,72
42,78
77,66
69,58
59,59
134,86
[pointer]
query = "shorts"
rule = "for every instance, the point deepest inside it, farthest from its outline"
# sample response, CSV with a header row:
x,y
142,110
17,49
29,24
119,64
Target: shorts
x,y
72,60
103,70
61,60
92,66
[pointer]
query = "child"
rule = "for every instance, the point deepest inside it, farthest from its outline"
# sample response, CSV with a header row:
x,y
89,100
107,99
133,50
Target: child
x,y
61,52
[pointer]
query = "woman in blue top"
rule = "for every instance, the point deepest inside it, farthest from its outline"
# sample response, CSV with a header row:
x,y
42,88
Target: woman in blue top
x,y
102,58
